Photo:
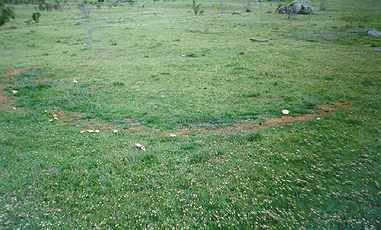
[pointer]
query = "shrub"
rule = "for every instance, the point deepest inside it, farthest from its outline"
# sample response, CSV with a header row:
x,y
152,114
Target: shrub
x,y
36,17
6,13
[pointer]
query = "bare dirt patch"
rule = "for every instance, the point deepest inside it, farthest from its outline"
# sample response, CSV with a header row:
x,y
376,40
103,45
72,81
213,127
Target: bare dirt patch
x,y
98,125
79,120
322,111
3,99
6,103
69,117
15,72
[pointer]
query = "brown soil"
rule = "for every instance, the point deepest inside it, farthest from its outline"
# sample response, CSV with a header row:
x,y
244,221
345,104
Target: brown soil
x,y
268,123
79,120
14,72
3,99
6,103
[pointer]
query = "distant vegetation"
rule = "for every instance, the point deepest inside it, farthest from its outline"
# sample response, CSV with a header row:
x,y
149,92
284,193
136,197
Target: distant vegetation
x,y
6,13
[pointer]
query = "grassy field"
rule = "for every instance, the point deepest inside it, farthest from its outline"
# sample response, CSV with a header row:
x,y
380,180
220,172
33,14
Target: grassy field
x,y
204,95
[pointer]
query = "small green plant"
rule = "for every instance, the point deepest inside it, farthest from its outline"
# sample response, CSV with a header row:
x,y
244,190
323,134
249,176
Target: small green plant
x,y
6,13
36,17
196,8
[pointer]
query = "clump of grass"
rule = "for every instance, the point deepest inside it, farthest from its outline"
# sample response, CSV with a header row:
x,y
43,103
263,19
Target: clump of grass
x,y
142,158
118,83
197,8
256,94
36,17
6,13
254,137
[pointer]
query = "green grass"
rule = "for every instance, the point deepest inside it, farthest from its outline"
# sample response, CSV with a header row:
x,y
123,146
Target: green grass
x,y
165,69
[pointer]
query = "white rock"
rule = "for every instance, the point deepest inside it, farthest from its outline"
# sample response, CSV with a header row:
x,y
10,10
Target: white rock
x,y
140,146
285,112
374,33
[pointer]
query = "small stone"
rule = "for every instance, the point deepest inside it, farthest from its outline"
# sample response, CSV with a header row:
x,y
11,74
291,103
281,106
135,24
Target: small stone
x,y
189,55
374,33
140,146
285,112
296,7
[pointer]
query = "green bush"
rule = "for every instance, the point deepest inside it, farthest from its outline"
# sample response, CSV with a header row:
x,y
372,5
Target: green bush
x,y
6,13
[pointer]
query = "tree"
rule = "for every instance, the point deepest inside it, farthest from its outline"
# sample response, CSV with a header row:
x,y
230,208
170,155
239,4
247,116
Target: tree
x,y
6,13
